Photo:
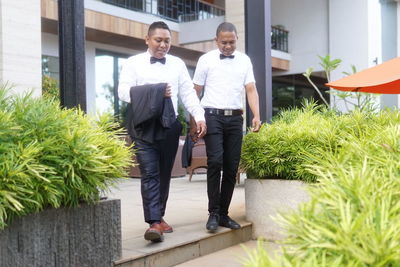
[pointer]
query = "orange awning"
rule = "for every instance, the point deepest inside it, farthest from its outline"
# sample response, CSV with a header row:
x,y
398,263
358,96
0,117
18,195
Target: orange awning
x,y
380,79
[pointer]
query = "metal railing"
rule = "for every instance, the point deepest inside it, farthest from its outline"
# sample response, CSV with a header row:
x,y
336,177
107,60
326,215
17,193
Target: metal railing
x,y
174,10
279,39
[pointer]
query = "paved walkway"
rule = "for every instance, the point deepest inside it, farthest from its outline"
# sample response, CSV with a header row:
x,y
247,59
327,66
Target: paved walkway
x,y
187,207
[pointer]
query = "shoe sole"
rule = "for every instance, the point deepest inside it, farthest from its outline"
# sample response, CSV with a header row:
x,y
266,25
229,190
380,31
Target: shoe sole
x,y
211,230
233,228
168,231
153,236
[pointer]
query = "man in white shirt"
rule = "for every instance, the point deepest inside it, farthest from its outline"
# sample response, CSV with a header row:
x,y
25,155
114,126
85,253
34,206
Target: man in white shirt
x,y
223,74
156,159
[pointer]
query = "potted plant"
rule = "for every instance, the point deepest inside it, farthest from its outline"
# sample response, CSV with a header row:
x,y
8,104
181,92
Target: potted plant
x,y
276,161
352,216
56,165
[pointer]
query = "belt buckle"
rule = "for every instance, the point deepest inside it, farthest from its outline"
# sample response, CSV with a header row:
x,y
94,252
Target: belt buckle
x,y
228,112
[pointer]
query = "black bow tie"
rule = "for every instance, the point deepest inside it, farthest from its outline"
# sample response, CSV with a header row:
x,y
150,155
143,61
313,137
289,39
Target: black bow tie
x,y
222,56
154,60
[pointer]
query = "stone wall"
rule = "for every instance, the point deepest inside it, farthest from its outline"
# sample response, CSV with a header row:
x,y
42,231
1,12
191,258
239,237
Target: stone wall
x,y
89,235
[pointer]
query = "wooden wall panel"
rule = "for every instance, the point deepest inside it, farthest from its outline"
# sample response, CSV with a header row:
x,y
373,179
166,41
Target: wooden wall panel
x,y
102,26
280,64
49,9
105,22
201,46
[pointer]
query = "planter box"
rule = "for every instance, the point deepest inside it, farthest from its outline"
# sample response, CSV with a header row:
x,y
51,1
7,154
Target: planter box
x,y
89,235
265,198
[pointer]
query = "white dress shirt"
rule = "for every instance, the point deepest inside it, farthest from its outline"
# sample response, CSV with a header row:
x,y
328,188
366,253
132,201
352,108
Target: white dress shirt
x,y
137,70
223,79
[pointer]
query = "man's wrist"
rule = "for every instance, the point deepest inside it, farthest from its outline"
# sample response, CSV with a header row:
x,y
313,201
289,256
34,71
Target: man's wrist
x,y
199,118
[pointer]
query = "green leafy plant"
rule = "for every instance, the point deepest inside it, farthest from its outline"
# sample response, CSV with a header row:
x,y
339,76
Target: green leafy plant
x,y
52,157
50,88
352,217
298,137
182,119
282,148
361,101
258,256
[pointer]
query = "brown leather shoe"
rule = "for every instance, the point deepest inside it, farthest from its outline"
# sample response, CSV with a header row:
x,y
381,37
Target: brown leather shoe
x,y
154,233
166,227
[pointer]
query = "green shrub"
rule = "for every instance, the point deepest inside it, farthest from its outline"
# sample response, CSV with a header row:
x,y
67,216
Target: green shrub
x,y
353,216
50,87
298,138
182,119
283,148
52,157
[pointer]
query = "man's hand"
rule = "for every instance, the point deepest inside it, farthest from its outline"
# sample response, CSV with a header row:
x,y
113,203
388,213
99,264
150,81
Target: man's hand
x,y
197,129
168,91
256,125
201,129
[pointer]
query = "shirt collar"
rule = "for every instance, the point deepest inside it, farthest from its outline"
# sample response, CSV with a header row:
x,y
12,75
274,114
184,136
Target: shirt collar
x,y
149,55
219,52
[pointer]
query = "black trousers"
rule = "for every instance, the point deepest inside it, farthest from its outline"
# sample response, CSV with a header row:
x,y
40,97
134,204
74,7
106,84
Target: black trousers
x,y
155,162
223,145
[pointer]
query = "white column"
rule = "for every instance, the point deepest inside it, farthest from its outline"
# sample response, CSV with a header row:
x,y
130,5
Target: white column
x,y
20,45
398,28
354,28
398,42
234,13
389,43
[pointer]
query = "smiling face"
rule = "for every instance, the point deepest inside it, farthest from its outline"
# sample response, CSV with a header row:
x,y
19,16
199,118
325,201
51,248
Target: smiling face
x,y
159,42
226,42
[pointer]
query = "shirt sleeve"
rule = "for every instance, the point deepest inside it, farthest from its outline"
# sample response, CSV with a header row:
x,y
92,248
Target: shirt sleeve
x,y
126,81
188,95
249,78
200,73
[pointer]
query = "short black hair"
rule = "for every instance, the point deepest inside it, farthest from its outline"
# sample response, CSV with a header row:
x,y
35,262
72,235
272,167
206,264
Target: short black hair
x,y
226,27
157,25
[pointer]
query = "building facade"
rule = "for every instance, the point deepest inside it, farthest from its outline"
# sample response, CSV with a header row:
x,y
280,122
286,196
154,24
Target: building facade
x,y
359,32
362,33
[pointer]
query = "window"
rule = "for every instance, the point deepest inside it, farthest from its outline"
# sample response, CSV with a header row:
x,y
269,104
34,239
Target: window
x,y
290,90
107,68
51,67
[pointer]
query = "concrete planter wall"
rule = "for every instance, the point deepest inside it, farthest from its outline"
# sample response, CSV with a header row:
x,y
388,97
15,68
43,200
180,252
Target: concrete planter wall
x,y
89,235
265,197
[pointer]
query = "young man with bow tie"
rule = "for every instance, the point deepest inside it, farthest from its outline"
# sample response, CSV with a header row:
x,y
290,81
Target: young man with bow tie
x,y
224,74
156,158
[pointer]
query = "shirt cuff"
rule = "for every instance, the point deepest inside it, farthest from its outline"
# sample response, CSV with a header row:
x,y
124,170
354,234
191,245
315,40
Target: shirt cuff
x,y
199,117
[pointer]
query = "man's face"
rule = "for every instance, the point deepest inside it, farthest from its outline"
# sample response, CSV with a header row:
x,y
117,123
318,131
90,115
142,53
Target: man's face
x,y
159,42
226,42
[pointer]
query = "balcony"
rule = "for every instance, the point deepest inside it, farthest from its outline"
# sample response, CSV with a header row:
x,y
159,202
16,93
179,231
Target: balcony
x,y
173,10
279,39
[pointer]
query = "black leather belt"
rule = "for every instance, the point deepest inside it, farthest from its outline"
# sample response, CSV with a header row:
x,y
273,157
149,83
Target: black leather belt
x,y
224,112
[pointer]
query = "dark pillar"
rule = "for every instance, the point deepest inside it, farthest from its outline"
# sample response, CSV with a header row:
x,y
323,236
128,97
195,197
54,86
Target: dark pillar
x,y
71,30
258,48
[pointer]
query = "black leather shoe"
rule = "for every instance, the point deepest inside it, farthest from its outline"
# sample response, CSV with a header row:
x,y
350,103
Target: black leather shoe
x,y
212,223
227,222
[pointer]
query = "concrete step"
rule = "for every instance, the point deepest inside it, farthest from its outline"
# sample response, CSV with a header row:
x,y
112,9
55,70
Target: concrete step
x,y
229,257
233,256
184,244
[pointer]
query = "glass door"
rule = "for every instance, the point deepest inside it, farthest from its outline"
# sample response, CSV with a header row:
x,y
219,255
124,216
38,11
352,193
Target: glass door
x,y
108,66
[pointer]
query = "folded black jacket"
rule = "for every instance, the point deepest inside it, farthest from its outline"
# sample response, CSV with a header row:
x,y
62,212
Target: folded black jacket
x,y
150,114
187,151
